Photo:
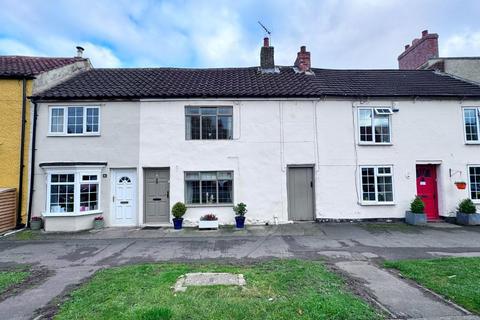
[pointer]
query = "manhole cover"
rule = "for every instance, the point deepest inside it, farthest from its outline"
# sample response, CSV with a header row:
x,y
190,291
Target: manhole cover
x,y
208,279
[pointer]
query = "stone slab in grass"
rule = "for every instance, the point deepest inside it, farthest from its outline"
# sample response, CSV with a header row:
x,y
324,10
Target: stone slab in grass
x,y
208,279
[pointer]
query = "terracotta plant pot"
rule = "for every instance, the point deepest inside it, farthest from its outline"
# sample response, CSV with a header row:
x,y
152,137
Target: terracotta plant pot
x,y
461,185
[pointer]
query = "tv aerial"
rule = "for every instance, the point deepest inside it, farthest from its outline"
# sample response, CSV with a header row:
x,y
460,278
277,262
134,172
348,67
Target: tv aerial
x,y
264,28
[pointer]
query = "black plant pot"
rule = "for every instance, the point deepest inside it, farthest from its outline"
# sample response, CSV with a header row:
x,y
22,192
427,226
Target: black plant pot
x,y
240,221
177,223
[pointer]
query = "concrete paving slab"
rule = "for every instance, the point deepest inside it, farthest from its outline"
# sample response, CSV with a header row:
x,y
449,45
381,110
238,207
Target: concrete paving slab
x,y
399,297
199,279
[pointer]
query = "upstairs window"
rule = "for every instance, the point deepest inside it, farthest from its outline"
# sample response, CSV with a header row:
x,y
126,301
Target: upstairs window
x,y
471,119
377,184
374,125
208,123
74,120
209,187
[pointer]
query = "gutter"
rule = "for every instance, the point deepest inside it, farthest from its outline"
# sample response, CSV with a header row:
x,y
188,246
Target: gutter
x,y
22,155
32,162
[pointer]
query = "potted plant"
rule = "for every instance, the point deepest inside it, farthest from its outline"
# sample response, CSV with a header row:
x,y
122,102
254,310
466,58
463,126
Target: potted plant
x,y
240,209
467,213
416,215
208,221
36,223
98,222
461,185
178,210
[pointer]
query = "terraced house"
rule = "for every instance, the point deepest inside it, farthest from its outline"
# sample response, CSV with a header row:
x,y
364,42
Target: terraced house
x,y
20,77
293,142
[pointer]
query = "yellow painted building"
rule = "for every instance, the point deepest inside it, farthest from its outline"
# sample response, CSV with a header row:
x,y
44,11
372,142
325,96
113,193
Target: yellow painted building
x,y
11,104
20,77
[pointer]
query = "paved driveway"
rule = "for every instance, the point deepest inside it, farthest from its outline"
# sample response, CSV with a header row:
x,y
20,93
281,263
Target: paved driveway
x,y
73,257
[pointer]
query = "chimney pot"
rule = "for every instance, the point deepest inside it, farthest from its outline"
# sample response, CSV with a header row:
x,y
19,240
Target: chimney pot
x,y
80,51
303,49
424,33
266,42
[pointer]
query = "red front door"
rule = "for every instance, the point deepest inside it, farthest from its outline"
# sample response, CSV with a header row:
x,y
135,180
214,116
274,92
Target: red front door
x,y
427,189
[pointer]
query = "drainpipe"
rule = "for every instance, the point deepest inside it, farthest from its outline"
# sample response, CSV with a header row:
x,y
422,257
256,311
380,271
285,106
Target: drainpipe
x,y
32,162
22,155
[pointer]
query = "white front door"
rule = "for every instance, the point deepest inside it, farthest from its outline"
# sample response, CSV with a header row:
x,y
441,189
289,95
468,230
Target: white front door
x,y
124,186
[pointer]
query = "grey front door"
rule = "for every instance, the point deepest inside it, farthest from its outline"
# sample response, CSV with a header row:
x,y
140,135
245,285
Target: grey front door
x,y
300,193
157,207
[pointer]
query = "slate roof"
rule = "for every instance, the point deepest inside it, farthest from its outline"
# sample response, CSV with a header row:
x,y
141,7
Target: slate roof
x,y
251,83
23,66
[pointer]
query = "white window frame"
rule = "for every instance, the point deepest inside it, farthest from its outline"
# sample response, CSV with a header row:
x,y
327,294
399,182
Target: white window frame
x,y
376,174
464,125
379,111
78,172
476,201
65,120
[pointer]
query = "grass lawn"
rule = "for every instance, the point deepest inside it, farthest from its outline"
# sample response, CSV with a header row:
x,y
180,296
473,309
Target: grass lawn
x,y
278,289
458,279
9,278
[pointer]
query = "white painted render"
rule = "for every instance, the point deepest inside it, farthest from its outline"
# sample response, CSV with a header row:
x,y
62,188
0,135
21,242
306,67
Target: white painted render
x,y
270,135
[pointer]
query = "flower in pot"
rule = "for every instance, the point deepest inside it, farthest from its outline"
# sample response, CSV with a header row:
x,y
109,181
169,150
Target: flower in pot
x,y
240,209
467,213
461,185
98,222
36,223
416,215
208,221
178,211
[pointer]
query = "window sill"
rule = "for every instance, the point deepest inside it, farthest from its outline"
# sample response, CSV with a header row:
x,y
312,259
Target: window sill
x,y
218,205
73,135
374,144
71,214
367,204
472,143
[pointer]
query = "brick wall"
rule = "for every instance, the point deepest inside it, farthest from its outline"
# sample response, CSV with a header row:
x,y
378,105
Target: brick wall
x,y
419,51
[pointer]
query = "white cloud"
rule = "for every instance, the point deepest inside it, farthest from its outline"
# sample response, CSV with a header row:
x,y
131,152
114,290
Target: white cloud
x,y
101,57
203,33
464,44
14,47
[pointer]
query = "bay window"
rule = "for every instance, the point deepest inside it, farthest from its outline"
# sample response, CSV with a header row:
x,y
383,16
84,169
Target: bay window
x,y
73,191
376,184
209,187
374,125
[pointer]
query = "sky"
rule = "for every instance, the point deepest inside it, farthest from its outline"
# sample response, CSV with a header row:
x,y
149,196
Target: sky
x,y
342,34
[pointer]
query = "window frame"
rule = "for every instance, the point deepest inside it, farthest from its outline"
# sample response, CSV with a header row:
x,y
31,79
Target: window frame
x,y
477,113
65,120
200,124
376,175
476,201
217,204
376,111
78,181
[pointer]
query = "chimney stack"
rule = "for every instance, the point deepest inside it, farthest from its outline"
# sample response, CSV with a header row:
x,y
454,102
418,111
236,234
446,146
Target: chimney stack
x,y
80,52
266,56
419,52
303,60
